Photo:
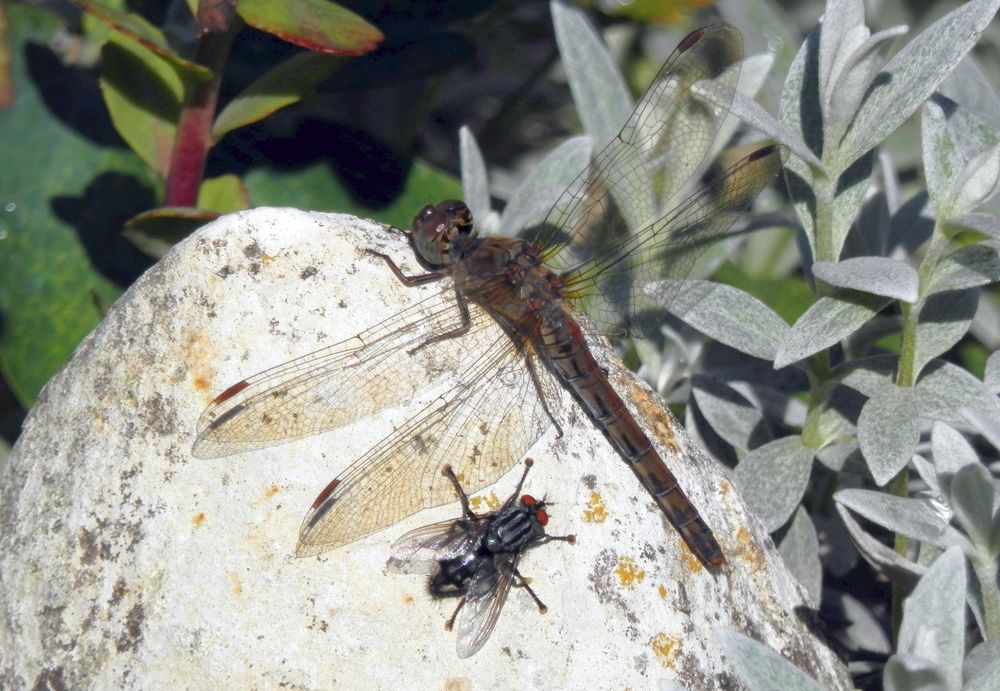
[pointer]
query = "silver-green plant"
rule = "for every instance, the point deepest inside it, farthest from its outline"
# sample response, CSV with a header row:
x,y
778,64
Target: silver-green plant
x,y
777,397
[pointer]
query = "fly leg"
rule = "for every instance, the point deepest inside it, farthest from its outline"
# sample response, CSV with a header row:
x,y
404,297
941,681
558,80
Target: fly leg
x,y
571,539
515,495
448,625
521,582
462,497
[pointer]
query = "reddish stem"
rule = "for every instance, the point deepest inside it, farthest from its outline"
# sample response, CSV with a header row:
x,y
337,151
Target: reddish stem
x,y
194,128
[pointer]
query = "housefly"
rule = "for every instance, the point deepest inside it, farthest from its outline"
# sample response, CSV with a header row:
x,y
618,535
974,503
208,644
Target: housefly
x,y
475,558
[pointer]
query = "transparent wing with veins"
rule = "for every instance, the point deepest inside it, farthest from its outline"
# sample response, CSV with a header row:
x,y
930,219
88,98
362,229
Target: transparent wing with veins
x,y
481,427
484,600
333,386
420,550
607,232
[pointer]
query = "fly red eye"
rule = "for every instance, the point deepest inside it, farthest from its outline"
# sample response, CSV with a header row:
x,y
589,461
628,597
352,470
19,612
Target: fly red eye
x,y
543,518
528,500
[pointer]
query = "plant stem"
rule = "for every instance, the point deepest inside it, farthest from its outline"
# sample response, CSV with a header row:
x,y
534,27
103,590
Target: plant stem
x,y
194,127
985,569
900,488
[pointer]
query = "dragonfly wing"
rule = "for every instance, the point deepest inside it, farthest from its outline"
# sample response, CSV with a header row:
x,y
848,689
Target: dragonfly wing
x,y
420,550
665,139
333,386
481,427
607,234
484,600
610,287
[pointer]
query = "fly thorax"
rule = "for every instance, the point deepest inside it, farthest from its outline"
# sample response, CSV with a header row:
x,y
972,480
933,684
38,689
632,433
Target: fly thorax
x,y
511,531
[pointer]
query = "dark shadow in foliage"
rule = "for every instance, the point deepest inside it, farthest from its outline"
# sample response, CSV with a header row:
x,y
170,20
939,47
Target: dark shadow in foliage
x,y
373,174
911,226
98,217
72,94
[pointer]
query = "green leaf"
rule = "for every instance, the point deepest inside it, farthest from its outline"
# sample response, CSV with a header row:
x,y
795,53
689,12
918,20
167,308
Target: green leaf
x,y
314,24
828,321
760,668
157,230
944,319
971,498
726,314
138,28
888,431
799,549
933,627
772,479
223,194
61,189
143,92
282,85
599,92
913,74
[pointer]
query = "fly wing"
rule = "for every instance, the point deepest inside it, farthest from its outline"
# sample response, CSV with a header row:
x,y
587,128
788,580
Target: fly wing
x,y
420,550
333,386
484,599
481,427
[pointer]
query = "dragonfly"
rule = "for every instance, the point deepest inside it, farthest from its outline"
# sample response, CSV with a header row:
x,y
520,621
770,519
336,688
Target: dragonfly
x,y
475,558
518,312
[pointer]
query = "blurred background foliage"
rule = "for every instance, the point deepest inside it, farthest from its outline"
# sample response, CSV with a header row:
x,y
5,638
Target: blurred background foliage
x,y
125,125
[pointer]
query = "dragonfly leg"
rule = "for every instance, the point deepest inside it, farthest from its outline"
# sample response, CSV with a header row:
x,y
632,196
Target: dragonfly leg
x,y
521,582
408,281
460,330
529,363
448,625
462,496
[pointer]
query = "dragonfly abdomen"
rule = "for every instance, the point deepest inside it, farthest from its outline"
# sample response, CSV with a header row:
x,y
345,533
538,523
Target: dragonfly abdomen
x,y
566,351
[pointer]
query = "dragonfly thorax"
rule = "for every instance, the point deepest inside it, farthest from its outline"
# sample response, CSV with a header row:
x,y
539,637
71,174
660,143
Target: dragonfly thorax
x,y
441,233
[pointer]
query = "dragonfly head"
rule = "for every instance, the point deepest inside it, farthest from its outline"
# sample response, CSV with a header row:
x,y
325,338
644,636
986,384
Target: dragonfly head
x,y
537,508
436,228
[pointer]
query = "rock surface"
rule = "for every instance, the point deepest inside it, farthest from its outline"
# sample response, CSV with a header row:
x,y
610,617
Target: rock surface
x,y
125,562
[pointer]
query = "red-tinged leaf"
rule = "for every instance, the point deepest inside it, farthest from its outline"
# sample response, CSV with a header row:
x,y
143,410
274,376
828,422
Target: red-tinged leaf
x,y
157,230
142,31
143,92
283,85
314,24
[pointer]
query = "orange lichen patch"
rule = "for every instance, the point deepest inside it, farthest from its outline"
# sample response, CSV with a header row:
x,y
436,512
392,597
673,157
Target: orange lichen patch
x,y
197,519
596,511
661,590
271,491
748,550
691,561
201,383
492,502
663,646
655,416
458,684
629,573
236,583
266,259
407,599
725,487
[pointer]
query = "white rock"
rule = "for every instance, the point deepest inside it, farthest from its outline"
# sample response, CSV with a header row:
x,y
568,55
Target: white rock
x,y
125,562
